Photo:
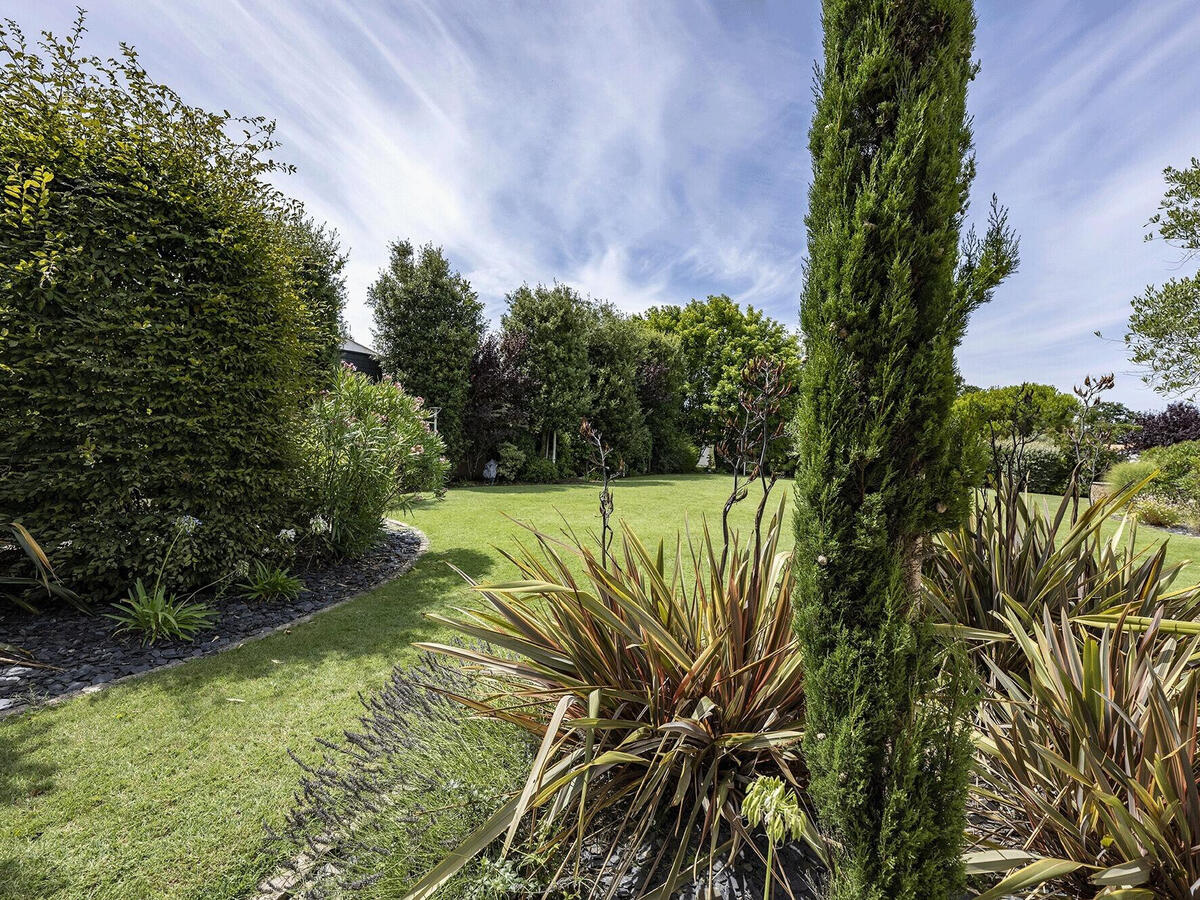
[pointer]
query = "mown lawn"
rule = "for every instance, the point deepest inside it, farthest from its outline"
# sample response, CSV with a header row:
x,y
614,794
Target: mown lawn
x,y
159,788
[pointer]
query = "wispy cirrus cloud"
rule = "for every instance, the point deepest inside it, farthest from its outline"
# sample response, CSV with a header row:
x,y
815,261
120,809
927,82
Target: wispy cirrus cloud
x,y
651,152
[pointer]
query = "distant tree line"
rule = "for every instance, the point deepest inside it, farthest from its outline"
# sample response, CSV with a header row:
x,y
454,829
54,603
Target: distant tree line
x,y
658,386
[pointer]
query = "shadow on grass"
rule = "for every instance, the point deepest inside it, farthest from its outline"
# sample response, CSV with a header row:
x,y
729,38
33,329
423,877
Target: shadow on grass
x,y
25,775
384,622
477,487
21,774
20,880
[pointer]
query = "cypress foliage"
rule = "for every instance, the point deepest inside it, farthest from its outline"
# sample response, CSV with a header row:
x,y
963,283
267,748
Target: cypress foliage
x,y
428,322
885,303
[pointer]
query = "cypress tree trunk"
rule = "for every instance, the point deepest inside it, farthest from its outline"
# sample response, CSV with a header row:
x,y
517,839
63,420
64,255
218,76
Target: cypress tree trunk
x,y
885,304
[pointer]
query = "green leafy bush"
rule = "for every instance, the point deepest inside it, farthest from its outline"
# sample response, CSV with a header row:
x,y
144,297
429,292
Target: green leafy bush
x,y
366,448
1179,465
658,693
511,462
264,582
1174,497
677,454
1046,468
539,470
154,338
155,614
1178,468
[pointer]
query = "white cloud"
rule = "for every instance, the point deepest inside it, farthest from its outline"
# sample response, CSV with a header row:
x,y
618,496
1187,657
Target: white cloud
x,y
650,152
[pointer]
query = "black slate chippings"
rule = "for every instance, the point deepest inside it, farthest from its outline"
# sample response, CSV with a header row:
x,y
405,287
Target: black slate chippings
x,y
74,651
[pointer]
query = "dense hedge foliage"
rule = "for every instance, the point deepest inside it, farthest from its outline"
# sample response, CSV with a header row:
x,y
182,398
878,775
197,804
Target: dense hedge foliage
x,y
1178,468
155,340
1046,469
560,358
656,386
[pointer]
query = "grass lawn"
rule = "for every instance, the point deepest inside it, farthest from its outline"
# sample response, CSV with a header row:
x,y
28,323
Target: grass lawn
x,y
159,787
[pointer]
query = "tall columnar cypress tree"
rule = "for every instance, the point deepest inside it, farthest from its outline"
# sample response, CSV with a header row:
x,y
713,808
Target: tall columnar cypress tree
x,y
886,300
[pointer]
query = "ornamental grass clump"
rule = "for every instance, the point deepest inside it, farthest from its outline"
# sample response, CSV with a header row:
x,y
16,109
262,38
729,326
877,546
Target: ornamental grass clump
x,y
1088,764
658,692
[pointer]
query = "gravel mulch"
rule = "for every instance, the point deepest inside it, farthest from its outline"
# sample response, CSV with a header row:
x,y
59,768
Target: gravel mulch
x,y
79,652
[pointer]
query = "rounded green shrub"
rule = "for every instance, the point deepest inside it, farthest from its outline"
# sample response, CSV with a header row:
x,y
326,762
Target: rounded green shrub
x,y
539,470
1046,468
1178,468
366,448
153,332
512,461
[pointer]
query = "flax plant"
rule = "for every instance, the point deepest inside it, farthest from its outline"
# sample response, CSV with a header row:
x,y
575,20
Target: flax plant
x,y
657,692
1089,763
1015,561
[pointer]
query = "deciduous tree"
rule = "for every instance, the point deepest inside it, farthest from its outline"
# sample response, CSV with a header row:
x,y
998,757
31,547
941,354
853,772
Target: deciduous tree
x,y
718,339
553,322
1164,329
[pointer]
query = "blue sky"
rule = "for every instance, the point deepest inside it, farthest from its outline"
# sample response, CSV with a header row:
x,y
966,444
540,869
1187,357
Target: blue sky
x,y
648,152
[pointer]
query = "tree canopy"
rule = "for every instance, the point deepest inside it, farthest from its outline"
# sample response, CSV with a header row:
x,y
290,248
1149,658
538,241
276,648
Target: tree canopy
x,y
428,324
1164,328
553,323
717,338
1032,410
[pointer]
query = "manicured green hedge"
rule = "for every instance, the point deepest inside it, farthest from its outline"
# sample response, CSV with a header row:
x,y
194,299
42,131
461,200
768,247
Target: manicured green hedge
x,y
153,334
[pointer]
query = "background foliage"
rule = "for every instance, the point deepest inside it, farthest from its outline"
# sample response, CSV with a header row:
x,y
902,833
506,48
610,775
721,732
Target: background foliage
x,y
1178,422
1164,328
428,322
559,358
717,338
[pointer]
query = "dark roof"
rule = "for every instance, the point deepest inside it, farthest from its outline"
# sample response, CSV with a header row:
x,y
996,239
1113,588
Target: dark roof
x,y
350,345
